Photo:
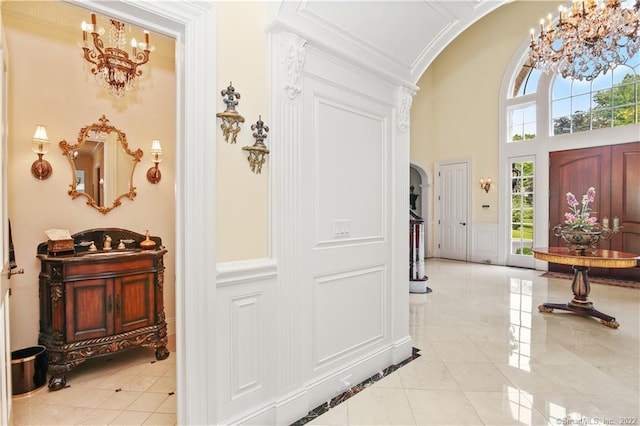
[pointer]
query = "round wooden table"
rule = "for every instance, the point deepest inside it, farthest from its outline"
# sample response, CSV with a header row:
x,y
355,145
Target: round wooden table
x,y
581,263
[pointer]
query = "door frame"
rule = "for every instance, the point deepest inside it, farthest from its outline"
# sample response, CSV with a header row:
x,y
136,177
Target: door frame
x,y
6,391
437,209
425,204
193,25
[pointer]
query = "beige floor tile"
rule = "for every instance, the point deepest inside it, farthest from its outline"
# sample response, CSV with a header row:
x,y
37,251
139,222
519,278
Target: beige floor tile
x,y
163,385
441,407
567,408
420,374
148,401
131,418
508,408
69,416
161,419
140,383
380,406
99,417
92,398
478,377
462,351
120,400
168,406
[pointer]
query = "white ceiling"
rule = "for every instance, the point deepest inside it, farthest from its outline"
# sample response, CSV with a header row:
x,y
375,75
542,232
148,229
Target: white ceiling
x,y
400,38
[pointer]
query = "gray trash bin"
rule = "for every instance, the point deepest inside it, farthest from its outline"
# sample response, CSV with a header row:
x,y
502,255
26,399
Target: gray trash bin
x,y
28,369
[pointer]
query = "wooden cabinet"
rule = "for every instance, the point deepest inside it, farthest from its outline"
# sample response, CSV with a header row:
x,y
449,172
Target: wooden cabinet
x,y
98,303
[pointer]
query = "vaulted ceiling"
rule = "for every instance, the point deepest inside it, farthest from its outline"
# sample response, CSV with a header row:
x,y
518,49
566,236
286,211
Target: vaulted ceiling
x,y
400,38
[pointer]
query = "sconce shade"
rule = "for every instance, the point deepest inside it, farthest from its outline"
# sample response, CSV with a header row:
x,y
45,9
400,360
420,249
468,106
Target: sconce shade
x,y
40,140
156,151
40,169
153,174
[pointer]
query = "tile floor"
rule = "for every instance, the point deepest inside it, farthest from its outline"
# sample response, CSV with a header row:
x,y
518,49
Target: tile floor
x,y
130,388
488,357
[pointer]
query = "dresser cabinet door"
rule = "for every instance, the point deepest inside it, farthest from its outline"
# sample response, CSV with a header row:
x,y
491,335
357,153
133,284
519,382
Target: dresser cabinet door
x,y
89,309
134,302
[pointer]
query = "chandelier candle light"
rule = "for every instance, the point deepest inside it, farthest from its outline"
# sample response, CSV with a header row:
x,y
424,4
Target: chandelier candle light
x,y
113,66
588,40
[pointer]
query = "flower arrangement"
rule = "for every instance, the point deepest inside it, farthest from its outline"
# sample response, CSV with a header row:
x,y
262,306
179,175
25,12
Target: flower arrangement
x,y
580,217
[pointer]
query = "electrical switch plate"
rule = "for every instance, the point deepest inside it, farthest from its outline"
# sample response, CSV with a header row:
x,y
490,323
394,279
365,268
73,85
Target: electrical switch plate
x,y
341,228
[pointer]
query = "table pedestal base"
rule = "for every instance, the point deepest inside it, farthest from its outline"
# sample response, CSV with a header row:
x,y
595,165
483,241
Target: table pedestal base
x,y
580,303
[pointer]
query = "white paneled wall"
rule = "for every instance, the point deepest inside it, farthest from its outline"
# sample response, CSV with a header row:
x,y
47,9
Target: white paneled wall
x,y
484,247
334,311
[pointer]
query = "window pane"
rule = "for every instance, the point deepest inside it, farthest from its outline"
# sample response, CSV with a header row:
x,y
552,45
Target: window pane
x,y
624,94
579,87
581,103
516,201
561,88
562,125
561,108
624,115
580,122
611,99
602,118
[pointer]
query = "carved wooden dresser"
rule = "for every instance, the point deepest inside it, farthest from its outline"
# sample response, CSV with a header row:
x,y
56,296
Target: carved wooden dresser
x,y
95,303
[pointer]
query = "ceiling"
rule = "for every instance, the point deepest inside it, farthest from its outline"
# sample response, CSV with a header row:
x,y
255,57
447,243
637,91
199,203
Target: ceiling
x,y
400,38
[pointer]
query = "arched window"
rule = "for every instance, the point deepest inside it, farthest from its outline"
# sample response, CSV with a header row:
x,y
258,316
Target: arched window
x,y
545,113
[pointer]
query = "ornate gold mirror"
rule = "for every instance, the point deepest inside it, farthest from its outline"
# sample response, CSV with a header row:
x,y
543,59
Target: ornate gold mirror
x,y
102,165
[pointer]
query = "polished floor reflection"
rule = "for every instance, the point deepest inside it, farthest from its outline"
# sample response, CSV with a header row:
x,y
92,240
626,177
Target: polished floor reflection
x,y
130,388
490,358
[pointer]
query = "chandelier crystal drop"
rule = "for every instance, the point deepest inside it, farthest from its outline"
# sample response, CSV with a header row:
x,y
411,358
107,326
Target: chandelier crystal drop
x,y
113,67
588,40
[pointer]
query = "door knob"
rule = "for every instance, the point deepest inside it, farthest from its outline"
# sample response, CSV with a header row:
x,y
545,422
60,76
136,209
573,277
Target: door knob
x,y
463,223
13,272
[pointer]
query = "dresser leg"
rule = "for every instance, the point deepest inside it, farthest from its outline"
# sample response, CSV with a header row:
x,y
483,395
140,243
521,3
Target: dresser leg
x,y
57,382
162,353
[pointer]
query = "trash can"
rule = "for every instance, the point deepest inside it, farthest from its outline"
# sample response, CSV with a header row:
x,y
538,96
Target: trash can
x,y
28,369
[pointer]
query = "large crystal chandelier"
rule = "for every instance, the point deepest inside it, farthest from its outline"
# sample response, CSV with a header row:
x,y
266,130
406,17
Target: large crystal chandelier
x,y
587,40
113,66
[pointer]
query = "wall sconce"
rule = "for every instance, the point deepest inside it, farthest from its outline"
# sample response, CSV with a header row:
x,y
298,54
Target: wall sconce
x,y
258,151
153,174
485,184
40,168
230,118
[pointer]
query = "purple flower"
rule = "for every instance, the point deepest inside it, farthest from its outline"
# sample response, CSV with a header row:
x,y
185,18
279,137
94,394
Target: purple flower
x,y
571,200
580,216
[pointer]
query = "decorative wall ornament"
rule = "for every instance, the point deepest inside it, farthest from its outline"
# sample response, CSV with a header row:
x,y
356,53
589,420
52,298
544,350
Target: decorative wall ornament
x,y
230,118
404,112
258,151
294,62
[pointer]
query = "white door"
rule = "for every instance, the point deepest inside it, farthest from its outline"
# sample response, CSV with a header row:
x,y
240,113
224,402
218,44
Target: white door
x,y
5,351
453,209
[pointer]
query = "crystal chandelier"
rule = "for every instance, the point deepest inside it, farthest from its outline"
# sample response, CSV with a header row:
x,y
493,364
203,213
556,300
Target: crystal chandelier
x,y
113,66
587,40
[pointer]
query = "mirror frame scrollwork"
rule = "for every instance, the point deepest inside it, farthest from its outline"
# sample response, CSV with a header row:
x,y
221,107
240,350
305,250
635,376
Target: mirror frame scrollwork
x,y
68,150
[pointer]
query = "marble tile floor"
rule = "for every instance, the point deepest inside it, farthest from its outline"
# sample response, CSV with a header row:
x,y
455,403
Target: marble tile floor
x,y
488,357
130,388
